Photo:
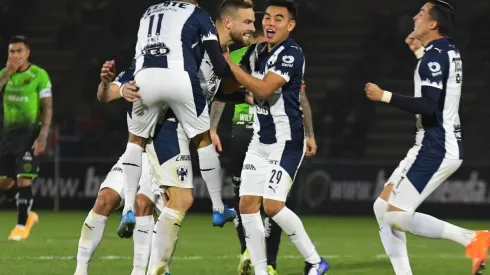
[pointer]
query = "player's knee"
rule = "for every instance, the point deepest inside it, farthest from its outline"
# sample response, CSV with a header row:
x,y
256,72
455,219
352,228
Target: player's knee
x,y
380,207
250,204
6,184
272,207
399,220
107,201
141,141
24,182
143,206
181,199
202,140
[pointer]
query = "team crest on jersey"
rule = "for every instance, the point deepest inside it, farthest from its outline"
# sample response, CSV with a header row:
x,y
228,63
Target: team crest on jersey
x,y
182,173
27,81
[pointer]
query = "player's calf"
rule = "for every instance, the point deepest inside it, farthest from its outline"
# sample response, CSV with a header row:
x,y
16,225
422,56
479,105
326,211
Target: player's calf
x,y
107,201
142,234
93,227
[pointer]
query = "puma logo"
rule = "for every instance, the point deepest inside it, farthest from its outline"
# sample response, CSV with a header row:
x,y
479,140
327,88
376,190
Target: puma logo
x,y
89,227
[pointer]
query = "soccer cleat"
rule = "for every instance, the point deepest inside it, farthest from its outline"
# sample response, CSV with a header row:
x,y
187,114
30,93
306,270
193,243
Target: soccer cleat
x,y
272,271
320,268
20,233
245,265
228,215
126,227
478,251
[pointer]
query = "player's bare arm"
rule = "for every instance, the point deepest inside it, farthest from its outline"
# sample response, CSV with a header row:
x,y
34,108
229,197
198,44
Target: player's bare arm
x,y
217,108
311,145
109,91
260,88
46,117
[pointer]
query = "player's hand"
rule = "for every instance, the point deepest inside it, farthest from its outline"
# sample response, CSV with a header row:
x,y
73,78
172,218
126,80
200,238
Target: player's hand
x,y
311,147
130,91
413,43
13,65
216,140
108,72
39,145
373,92
249,99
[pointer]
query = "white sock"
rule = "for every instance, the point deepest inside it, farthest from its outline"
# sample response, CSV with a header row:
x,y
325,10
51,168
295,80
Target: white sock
x,y
427,226
394,241
142,235
92,231
254,231
165,239
293,227
211,173
131,174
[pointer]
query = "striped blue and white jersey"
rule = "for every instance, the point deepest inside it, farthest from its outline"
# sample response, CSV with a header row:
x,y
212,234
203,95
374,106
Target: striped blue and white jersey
x,y
279,117
172,35
441,68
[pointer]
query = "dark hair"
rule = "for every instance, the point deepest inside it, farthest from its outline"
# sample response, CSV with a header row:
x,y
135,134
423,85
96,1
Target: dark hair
x,y
288,4
259,30
444,14
228,7
20,39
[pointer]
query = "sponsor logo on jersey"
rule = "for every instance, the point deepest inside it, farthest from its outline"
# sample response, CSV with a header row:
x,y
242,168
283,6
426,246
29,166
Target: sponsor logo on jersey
x,y
157,49
435,68
117,169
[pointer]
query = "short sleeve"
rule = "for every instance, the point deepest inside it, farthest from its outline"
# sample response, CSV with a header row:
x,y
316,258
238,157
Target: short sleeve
x,y
434,68
207,29
125,76
44,84
288,63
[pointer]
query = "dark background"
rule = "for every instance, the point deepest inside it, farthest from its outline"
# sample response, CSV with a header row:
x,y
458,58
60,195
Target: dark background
x,y
346,43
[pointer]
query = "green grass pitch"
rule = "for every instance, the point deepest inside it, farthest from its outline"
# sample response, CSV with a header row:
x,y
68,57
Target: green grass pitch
x,y
350,245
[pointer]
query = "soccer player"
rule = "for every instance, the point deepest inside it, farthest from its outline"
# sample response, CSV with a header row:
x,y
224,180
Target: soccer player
x,y
242,132
437,152
234,25
111,192
28,109
278,145
172,38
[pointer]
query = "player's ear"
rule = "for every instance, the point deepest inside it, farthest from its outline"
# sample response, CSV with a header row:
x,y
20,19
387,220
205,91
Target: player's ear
x,y
228,22
291,25
433,24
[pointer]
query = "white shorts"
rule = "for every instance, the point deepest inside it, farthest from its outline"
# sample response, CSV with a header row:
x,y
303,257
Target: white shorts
x,y
417,176
269,169
115,181
181,91
170,157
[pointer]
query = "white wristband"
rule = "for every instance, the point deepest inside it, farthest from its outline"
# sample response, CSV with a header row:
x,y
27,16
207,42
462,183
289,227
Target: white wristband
x,y
386,97
420,52
121,90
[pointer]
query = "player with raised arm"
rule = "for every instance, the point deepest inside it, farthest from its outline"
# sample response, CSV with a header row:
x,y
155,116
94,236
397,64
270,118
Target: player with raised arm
x,y
437,152
172,38
28,110
278,145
